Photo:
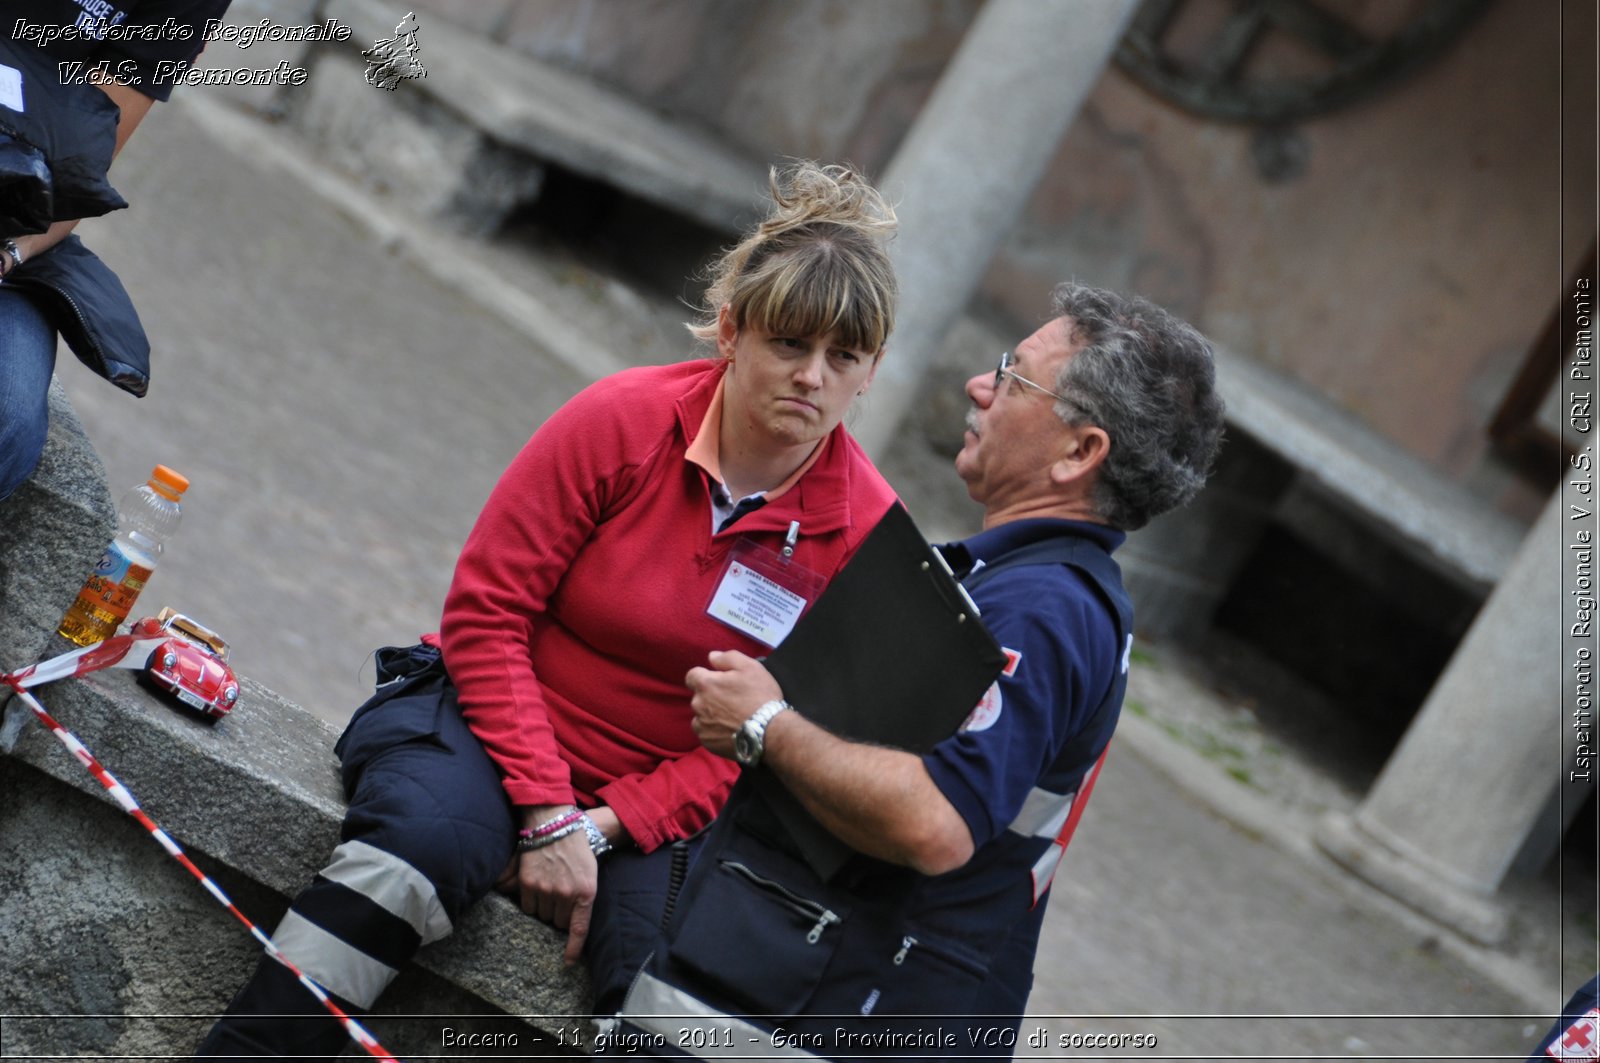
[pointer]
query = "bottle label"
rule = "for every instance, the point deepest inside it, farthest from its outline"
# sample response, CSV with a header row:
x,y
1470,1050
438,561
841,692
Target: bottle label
x,y
115,583
106,598
113,565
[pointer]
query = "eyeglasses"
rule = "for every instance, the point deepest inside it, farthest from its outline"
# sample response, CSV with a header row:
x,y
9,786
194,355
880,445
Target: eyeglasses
x,y
1004,370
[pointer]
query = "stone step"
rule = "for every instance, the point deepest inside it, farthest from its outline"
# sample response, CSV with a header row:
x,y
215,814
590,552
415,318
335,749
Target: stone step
x,y
536,114
1435,519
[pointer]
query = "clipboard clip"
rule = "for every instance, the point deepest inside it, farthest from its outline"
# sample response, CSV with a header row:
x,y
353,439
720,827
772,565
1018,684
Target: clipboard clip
x,y
790,539
948,571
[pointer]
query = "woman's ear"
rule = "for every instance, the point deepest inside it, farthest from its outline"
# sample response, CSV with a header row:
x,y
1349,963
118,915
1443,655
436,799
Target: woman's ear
x,y
727,332
876,359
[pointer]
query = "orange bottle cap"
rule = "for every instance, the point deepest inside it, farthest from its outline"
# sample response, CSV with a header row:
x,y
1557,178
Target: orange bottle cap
x,y
168,482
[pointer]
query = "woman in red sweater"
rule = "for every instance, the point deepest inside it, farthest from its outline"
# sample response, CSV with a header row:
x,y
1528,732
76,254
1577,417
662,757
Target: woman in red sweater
x,y
661,513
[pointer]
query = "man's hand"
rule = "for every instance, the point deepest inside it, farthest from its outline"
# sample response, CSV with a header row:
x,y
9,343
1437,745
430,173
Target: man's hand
x,y
726,694
556,883
877,800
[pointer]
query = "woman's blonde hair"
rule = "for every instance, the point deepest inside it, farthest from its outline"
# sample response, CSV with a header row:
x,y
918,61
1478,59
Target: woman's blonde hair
x,y
816,265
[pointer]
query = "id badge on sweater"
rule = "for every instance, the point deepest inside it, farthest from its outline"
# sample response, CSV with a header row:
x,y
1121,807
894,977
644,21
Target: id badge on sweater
x,y
763,593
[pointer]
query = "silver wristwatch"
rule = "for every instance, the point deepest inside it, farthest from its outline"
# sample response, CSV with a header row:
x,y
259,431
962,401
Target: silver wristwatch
x,y
11,250
749,741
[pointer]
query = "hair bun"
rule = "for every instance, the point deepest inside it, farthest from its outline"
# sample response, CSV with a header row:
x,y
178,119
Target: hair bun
x,y
806,193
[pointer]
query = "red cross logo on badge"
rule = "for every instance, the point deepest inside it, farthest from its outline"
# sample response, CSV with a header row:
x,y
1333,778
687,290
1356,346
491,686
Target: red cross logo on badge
x,y
1581,1041
987,711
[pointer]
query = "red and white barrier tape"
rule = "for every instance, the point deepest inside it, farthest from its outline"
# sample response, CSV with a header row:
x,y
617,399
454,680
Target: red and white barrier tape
x,y
120,651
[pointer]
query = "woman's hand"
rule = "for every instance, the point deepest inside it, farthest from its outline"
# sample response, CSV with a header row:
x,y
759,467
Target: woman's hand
x,y
555,882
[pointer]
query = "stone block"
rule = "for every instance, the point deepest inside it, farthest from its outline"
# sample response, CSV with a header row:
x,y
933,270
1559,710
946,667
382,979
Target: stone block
x,y
53,529
1400,497
529,109
409,147
112,932
102,936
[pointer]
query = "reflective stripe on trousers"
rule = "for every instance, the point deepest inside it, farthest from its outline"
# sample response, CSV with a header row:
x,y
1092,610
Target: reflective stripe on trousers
x,y
390,884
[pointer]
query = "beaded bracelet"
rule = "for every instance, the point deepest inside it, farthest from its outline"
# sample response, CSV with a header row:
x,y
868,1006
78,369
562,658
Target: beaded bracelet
x,y
527,843
552,824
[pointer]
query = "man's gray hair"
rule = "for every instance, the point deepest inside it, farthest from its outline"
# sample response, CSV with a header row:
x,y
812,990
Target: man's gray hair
x,y
1148,379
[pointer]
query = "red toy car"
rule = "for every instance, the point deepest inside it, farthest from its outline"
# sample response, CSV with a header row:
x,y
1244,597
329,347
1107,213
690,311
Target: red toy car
x,y
192,664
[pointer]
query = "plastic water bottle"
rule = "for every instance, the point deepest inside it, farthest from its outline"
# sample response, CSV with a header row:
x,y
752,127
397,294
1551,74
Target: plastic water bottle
x,y
146,518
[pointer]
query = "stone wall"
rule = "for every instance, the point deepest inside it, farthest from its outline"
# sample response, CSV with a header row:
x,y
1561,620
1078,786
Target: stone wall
x,y
828,78
1405,273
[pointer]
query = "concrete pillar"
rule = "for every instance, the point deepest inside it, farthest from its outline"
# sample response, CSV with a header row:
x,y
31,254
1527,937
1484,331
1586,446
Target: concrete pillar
x,y
1479,764
969,164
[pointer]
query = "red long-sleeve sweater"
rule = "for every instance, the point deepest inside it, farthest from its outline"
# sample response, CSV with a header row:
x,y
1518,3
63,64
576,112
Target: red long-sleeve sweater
x,y
579,601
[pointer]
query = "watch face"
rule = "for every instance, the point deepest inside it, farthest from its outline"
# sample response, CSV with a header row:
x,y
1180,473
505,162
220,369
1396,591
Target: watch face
x,y
745,750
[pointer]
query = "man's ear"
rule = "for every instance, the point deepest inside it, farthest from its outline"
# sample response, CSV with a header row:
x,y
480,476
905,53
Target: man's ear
x,y
1086,450
727,332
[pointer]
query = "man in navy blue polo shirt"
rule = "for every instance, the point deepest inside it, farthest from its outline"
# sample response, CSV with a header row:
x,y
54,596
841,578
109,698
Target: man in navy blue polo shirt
x,y
1102,419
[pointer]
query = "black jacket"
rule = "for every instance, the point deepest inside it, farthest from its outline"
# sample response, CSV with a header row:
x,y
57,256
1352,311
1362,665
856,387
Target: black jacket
x,y
91,309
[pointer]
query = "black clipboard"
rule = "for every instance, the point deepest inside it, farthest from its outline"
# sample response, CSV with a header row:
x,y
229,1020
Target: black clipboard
x,y
893,652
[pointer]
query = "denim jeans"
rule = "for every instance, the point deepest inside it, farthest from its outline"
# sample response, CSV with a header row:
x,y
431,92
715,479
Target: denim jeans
x,y
27,358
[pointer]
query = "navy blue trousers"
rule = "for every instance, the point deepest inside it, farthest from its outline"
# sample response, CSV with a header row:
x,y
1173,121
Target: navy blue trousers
x,y
428,831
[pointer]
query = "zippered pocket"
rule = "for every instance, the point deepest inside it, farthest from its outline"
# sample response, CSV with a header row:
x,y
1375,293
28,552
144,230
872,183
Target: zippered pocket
x,y
801,906
931,950
925,974
762,942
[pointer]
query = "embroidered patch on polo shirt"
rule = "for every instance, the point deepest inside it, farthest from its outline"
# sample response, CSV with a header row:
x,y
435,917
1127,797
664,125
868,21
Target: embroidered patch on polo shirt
x,y
987,712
